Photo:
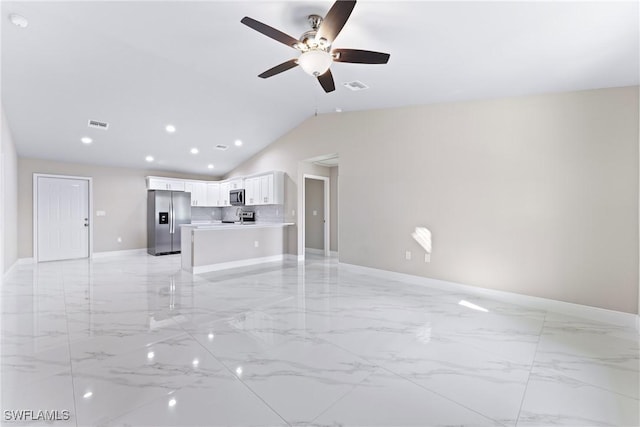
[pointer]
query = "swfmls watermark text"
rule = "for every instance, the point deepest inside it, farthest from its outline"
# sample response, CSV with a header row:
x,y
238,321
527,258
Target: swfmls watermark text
x,y
36,415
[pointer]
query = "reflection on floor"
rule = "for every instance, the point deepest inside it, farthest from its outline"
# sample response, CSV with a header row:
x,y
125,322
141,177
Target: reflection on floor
x,y
134,341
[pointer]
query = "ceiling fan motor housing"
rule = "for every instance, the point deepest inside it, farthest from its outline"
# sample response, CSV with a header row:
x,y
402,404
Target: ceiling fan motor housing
x,y
308,40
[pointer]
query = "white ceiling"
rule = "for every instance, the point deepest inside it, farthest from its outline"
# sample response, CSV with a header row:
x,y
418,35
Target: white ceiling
x,y
141,65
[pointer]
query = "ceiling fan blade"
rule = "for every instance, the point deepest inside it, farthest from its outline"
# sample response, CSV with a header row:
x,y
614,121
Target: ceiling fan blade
x,y
279,68
326,80
334,21
270,31
357,56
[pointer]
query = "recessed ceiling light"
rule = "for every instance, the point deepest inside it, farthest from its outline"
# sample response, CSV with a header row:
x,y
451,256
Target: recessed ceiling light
x,y
18,20
170,128
194,151
338,110
149,158
172,403
210,166
88,394
86,140
238,142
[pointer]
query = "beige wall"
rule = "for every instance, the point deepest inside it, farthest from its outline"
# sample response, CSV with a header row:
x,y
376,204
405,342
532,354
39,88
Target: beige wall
x,y
120,192
334,209
536,195
314,224
8,197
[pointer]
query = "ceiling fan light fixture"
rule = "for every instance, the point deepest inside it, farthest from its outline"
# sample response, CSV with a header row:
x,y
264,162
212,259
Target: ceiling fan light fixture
x,y
315,62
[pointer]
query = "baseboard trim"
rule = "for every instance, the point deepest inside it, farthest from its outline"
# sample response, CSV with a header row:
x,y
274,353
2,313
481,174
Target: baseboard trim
x,y
124,252
292,257
314,251
613,317
321,252
235,264
23,261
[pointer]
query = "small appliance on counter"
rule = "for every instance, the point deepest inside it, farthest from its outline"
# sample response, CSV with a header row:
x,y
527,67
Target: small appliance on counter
x,y
248,216
242,218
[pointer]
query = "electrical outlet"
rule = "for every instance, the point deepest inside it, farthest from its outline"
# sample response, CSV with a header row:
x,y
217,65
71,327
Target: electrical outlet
x,y
293,212
315,213
427,257
256,244
407,255
119,239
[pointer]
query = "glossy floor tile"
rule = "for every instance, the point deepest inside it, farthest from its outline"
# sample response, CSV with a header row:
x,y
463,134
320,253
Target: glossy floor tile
x,y
134,341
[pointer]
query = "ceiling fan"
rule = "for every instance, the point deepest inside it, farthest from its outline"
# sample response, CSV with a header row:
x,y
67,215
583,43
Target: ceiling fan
x,y
315,45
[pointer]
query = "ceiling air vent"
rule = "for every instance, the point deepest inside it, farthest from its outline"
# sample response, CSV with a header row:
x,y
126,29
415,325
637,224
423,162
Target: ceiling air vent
x,y
356,85
222,147
98,125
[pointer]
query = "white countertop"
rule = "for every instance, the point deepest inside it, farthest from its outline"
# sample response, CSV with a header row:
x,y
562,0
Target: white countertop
x,y
217,225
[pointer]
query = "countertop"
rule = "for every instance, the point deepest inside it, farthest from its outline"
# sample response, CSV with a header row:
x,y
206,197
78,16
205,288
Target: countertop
x,y
217,225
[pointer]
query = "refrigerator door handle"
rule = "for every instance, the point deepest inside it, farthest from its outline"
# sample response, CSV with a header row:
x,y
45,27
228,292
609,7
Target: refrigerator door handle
x,y
171,216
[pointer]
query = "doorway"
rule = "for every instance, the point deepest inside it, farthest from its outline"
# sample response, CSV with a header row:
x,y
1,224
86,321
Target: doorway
x,y
316,213
61,217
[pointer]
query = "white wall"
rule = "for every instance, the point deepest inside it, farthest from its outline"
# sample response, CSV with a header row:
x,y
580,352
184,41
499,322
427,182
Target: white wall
x,y
536,195
8,197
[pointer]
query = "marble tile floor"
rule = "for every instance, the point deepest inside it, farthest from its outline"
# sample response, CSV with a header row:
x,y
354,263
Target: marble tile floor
x,y
133,341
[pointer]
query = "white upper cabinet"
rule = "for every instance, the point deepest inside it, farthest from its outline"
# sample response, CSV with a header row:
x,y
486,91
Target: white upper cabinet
x,y
213,194
198,190
236,183
158,183
252,191
267,189
224,194
262,189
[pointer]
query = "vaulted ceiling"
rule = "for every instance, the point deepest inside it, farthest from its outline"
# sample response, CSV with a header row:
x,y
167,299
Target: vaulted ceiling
x,y
142,65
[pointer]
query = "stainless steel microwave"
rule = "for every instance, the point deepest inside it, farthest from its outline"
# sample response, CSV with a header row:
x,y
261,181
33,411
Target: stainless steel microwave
x,y
236,197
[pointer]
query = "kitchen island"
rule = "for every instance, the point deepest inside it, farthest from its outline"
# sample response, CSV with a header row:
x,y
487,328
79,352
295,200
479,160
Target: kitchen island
x,y
218,246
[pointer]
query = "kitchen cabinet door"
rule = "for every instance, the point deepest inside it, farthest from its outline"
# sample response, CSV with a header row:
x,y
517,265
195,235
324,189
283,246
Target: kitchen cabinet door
x,y
198,192
252,191
224,194
236,184
213,194
158,183
266,189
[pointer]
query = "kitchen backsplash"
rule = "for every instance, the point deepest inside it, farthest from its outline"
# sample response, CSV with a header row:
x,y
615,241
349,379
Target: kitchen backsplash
x,y
268,213
206,214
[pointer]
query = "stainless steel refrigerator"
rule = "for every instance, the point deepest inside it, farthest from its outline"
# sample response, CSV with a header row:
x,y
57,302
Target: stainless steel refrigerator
x,y
166,210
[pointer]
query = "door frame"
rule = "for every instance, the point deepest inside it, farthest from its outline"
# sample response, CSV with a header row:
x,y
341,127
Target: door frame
x,y
35,209
326,213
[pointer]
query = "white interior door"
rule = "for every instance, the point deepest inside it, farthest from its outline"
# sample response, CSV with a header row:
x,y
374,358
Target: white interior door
x,y
62,218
